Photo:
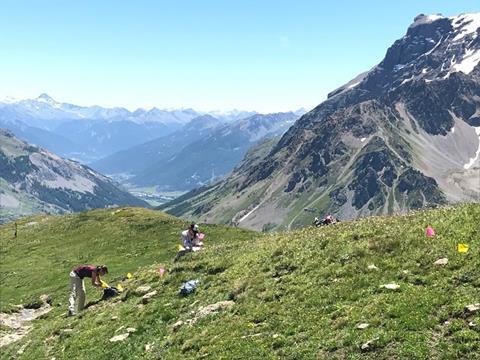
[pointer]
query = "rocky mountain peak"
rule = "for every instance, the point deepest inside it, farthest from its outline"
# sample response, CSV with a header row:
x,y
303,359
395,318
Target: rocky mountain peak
x,y
403,135
422,19
45,98
202,122
6,133
433,48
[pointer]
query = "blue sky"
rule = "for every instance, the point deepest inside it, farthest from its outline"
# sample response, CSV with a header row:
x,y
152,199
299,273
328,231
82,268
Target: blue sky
x,y
253,55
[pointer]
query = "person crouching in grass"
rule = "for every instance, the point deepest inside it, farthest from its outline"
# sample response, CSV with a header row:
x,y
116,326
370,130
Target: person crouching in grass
x,y
77,286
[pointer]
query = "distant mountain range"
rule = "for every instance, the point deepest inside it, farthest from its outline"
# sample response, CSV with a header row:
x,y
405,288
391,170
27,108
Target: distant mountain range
x,y
90,133
404,135
204,150
35,180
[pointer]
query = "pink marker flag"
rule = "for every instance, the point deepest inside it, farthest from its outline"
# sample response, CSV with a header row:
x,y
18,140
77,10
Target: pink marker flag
x,y
161,271
429,232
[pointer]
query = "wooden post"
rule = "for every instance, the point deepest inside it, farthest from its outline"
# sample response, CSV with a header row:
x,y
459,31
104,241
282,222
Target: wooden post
x,y
15,235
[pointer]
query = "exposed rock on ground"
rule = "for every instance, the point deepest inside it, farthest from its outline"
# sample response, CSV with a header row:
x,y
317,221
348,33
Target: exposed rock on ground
x,y
142,290
120,337
390,286
209,309
442,261
19,322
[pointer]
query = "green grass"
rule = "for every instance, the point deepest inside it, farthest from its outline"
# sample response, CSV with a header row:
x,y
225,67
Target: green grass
x,y
39,259
298,295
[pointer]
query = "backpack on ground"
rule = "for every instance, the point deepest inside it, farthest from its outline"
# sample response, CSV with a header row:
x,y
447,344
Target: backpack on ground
x,y
110,292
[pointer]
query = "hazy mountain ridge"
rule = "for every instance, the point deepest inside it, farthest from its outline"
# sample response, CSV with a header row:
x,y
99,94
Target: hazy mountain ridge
x,y
35,180
402,135
93,131
201,152
213,156
140,157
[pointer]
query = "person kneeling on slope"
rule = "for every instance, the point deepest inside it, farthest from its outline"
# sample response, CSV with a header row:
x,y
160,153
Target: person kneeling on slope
x,y
77,286
190,237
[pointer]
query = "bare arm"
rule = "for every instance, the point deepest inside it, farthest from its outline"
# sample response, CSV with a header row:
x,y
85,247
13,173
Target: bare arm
x,y
96,279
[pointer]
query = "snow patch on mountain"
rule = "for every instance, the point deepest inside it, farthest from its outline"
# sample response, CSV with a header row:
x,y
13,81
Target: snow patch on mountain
x,y
466,24
249,213
477,153
407,80
468,62
353,85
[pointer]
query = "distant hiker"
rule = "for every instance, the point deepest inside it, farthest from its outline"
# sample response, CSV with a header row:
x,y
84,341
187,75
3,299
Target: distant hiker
x,y
327,220
190,237
77,286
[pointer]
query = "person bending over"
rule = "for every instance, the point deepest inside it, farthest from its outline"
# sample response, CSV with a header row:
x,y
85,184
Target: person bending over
x,y
77,286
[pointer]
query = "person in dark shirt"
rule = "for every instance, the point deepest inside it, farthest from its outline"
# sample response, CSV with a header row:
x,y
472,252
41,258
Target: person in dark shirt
x,y
77,286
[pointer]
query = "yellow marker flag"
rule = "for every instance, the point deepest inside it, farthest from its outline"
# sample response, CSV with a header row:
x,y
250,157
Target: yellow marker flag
x,y
462,248
119,287
129,275
180,248
104,284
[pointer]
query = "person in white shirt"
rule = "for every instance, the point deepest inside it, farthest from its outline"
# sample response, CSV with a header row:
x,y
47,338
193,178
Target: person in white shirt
x,y
190,237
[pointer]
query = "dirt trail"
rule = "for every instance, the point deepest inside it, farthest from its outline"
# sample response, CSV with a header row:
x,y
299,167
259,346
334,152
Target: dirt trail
x,y
19,322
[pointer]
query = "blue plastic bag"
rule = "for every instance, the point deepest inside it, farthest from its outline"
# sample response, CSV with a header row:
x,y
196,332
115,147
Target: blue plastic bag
x,y
189,287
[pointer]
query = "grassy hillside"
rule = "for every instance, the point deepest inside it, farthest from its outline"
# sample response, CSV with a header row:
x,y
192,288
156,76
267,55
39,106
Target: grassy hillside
x,y
294,295
47,248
